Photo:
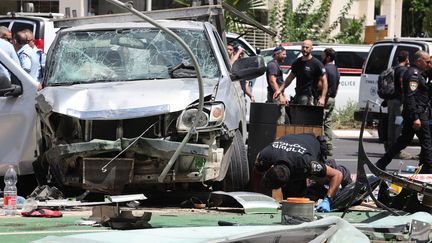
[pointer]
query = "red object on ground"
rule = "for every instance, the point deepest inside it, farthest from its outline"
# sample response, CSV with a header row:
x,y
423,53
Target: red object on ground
x,y
46,213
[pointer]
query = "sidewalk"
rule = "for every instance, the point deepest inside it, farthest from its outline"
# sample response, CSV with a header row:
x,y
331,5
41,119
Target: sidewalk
x,y
355,133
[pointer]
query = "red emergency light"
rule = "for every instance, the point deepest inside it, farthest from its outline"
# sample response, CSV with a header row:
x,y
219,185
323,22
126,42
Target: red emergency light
x,y
39,44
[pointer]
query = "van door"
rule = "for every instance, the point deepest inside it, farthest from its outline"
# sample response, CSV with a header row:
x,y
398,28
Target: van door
x,y
18,120
377,62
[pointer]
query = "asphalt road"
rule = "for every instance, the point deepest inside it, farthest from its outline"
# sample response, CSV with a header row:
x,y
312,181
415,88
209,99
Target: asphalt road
x,y
346,150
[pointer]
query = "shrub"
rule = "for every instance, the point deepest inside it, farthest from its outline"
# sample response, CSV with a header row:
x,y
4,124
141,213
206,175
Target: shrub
x,y
343,118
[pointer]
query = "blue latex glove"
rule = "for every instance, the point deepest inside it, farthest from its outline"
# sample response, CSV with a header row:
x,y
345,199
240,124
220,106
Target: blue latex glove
x,y
324,206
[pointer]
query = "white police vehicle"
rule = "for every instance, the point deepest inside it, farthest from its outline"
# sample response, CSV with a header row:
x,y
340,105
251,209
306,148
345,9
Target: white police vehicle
x,y
382,56
349,59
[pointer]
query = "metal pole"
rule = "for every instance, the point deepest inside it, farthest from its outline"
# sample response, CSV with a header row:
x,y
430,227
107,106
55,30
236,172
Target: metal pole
x,y
148,5
171,162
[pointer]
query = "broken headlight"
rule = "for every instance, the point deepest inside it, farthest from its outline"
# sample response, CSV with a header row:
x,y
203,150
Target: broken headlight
x,y
212,115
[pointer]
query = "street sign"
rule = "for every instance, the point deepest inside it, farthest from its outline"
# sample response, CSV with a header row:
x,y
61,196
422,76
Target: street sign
x,y
380,22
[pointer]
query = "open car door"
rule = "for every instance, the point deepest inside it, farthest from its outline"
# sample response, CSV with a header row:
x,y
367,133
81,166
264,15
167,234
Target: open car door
x,y
18,119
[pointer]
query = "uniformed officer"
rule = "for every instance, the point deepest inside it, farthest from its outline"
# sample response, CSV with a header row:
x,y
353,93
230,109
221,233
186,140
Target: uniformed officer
x,y
416,114
26,55
317,188
289,161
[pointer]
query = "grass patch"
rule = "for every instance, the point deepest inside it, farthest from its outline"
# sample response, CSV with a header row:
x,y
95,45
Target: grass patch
x,y
343,118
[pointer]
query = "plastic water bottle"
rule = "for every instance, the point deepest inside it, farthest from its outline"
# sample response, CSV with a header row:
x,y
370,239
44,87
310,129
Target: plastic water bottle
x,y
10,192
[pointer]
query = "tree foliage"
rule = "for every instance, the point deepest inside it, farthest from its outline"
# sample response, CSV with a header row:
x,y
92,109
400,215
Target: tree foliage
x,y
352,33
417,17
307,22
231,23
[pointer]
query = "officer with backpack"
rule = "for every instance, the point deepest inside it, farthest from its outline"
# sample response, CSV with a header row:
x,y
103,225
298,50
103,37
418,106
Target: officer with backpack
x,y
390,89
416,114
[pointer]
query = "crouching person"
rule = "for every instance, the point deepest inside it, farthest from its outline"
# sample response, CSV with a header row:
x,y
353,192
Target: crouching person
x,y
288,162
318,188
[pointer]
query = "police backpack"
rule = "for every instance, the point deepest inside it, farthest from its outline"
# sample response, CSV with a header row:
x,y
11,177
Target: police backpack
x,y
386,85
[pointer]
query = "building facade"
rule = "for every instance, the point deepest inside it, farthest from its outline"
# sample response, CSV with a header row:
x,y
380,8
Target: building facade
x,y
391,10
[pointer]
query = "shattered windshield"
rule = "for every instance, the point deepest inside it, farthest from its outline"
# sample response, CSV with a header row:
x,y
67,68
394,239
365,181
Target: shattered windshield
x,y
124,55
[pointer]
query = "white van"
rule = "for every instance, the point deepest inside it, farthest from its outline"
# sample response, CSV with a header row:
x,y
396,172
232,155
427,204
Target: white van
x,y
349,59
382,56
43,28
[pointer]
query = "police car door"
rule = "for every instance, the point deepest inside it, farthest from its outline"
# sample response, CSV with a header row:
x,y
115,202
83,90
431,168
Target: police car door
x,y
18,136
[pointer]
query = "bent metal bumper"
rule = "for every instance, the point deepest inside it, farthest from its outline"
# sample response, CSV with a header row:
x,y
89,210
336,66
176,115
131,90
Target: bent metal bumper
x,y
141,163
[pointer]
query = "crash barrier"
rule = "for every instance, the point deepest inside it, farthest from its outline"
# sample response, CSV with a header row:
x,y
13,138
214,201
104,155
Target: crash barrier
x,y
300,208
263,127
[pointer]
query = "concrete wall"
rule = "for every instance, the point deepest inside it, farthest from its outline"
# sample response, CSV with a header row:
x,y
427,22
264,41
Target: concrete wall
x,y
79,5
392,9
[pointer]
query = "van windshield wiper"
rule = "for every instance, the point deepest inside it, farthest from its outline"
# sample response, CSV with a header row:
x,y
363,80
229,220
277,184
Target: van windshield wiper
x,y
73,83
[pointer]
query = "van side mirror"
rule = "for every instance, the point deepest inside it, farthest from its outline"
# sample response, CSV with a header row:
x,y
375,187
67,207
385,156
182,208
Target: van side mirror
x,y
9,89
248,68
258,50
14,90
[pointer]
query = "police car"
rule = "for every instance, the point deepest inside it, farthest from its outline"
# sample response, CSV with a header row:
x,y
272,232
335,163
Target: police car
x,y
41,24
381,57
349,59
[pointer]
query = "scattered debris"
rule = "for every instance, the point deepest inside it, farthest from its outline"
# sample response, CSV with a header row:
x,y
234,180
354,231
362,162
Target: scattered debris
x,y
193,202
45,213
45,192
251,202
72,202
117,219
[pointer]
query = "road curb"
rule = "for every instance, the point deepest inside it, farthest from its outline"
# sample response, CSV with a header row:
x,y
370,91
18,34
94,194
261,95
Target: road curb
x,y
354,134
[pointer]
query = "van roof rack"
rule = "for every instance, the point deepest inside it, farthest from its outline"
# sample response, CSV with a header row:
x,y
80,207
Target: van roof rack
x,y
211,13
36,14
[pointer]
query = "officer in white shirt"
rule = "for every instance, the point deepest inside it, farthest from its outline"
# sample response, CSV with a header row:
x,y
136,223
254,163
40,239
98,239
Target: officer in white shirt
x,y
8,49
26,55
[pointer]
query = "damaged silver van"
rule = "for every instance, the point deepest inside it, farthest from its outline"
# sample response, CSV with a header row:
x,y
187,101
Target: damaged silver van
x,y
119,98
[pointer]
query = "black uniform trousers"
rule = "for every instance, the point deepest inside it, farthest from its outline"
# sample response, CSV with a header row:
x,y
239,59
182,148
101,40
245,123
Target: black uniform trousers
x,y
425,139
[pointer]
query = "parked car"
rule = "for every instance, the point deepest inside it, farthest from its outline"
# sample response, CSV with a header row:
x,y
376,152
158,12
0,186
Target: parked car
x,y
349,59
236,40
42,27
381,57
128,90
18,119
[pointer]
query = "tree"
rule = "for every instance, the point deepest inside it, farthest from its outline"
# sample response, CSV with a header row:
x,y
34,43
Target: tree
x,y
352,33
306,22
416,17
231,24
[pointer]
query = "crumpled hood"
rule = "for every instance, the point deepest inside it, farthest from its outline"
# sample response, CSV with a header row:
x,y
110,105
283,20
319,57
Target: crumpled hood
x,y
124,100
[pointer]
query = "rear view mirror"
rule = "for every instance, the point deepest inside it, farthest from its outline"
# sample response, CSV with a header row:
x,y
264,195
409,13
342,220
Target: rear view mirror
x,y
14,90
248,68
258,50
7,88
